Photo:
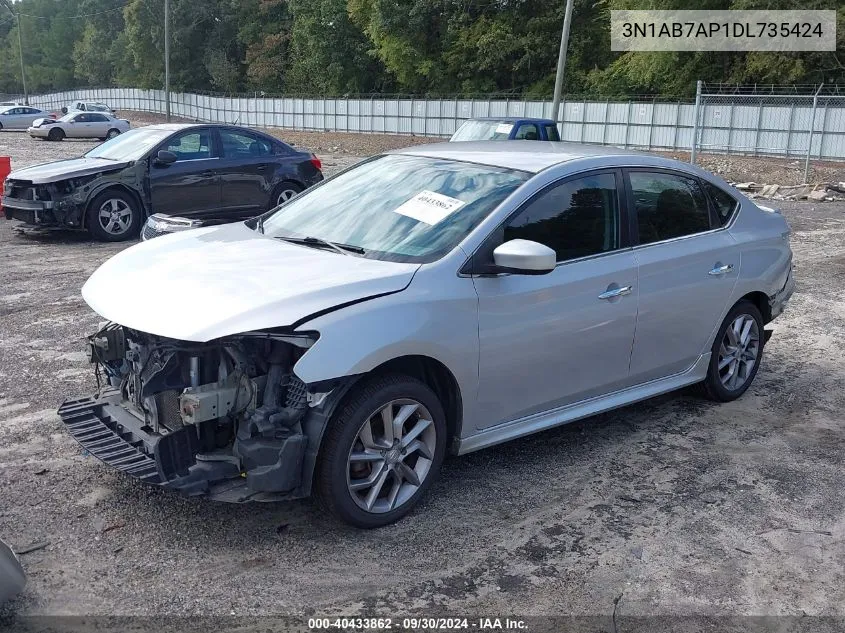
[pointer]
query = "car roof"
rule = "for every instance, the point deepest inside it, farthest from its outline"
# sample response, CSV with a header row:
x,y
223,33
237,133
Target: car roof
x,y
512,119
523,155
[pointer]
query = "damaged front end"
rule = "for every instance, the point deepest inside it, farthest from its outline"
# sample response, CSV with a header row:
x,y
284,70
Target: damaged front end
x,y
53,204
225,419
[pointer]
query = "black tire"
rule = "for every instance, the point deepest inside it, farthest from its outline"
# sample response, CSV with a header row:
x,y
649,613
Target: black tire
x,y
364,401
56,134
123,201
713,387
281,188
112,133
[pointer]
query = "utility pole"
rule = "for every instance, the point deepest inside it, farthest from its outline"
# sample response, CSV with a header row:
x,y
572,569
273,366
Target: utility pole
x,y
561,59
20,51
166,59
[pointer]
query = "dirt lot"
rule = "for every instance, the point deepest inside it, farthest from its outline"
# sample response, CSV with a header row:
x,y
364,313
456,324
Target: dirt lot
x,y
677,505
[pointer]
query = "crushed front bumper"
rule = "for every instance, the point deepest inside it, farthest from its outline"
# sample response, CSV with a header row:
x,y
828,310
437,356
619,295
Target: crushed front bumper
x,y
172,460
63,213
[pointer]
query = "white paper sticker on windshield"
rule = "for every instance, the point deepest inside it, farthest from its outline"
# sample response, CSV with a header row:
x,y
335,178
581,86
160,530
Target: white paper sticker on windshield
x,y
504,128
429,207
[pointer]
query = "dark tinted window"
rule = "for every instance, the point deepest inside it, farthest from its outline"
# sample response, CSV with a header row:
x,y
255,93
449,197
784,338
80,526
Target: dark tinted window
x,y
80,118
551,132
722,201
190,145
96,118
668,206
577,218
527,132
242,145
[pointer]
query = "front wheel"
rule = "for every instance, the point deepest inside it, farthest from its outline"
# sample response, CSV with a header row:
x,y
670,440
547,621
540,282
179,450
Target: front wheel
x,y
56,134
382,451
114,216
736,353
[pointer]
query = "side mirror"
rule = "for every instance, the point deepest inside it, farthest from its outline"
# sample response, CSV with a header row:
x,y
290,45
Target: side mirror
x,y
165,158
524,257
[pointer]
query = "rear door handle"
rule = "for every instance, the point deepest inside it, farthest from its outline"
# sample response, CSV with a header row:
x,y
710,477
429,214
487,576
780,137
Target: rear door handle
x,y
615,292
721,270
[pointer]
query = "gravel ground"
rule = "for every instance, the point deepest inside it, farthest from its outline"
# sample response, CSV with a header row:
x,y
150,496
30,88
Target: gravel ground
x,y
678,505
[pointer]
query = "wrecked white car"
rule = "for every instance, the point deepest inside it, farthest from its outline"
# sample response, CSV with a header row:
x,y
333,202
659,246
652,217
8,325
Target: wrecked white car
x,y
440,298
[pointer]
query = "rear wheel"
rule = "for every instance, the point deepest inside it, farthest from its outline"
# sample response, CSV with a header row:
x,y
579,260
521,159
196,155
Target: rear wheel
x,y
112,133
382,451
736,353
114,216
56,134
284,192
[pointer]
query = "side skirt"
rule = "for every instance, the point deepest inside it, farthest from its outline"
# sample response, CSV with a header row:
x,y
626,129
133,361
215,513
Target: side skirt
x,y
573,412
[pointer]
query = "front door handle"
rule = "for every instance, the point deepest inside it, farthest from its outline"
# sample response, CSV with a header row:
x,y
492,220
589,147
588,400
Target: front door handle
x,y
721,270
615,292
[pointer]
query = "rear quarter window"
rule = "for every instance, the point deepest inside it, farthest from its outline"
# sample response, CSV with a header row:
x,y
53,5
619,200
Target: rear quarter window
x,y
724,203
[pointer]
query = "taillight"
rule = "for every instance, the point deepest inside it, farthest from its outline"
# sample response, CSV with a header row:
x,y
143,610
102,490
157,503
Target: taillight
x,y
318,165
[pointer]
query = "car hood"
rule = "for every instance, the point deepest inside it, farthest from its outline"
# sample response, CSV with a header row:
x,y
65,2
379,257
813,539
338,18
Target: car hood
x,y
63,169
206,283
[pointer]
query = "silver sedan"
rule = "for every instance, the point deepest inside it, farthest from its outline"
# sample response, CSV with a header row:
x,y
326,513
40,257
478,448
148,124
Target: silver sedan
x,y
441,298
79,125
19,117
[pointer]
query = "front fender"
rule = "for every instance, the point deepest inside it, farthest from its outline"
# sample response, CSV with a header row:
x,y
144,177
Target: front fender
x,y
433,317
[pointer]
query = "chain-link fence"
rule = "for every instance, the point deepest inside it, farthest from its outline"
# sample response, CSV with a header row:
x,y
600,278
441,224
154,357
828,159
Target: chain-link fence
x,y
795,121
806,122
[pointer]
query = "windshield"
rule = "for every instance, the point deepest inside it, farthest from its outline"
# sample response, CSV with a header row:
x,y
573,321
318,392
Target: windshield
x,y
483,131
131,145
396,207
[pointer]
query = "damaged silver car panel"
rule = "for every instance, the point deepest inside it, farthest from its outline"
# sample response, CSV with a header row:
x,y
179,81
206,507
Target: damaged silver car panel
x,y
12,577
439,299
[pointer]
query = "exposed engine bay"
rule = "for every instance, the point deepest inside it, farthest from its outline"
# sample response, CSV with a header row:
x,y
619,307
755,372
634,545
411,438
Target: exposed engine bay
x,y
224,418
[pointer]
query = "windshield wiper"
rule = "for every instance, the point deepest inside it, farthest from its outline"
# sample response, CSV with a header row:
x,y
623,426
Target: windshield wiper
x,y
343,249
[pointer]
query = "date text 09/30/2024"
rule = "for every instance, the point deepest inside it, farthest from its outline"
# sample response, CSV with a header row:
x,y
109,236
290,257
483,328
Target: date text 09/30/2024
x,y
417,623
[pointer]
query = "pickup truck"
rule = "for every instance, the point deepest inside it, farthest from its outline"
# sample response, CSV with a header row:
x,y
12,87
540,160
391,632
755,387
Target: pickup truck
x,y
507,129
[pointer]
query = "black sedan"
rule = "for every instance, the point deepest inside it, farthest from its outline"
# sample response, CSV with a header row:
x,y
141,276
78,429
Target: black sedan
x,y
206,173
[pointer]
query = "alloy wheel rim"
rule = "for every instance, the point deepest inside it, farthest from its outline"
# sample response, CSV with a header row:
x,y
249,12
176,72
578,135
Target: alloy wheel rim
x,y
115,216
391,456
112,133
286,195
739,352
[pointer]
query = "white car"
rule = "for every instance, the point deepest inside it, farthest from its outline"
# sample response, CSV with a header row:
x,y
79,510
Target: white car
x,y
18,117
79,125
88,106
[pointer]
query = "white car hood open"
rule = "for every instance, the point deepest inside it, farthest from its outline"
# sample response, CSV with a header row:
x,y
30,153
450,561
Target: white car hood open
x,y
206,283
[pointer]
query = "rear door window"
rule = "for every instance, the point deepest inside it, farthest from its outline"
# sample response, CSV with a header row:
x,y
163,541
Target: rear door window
x,y
237,144
667,205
